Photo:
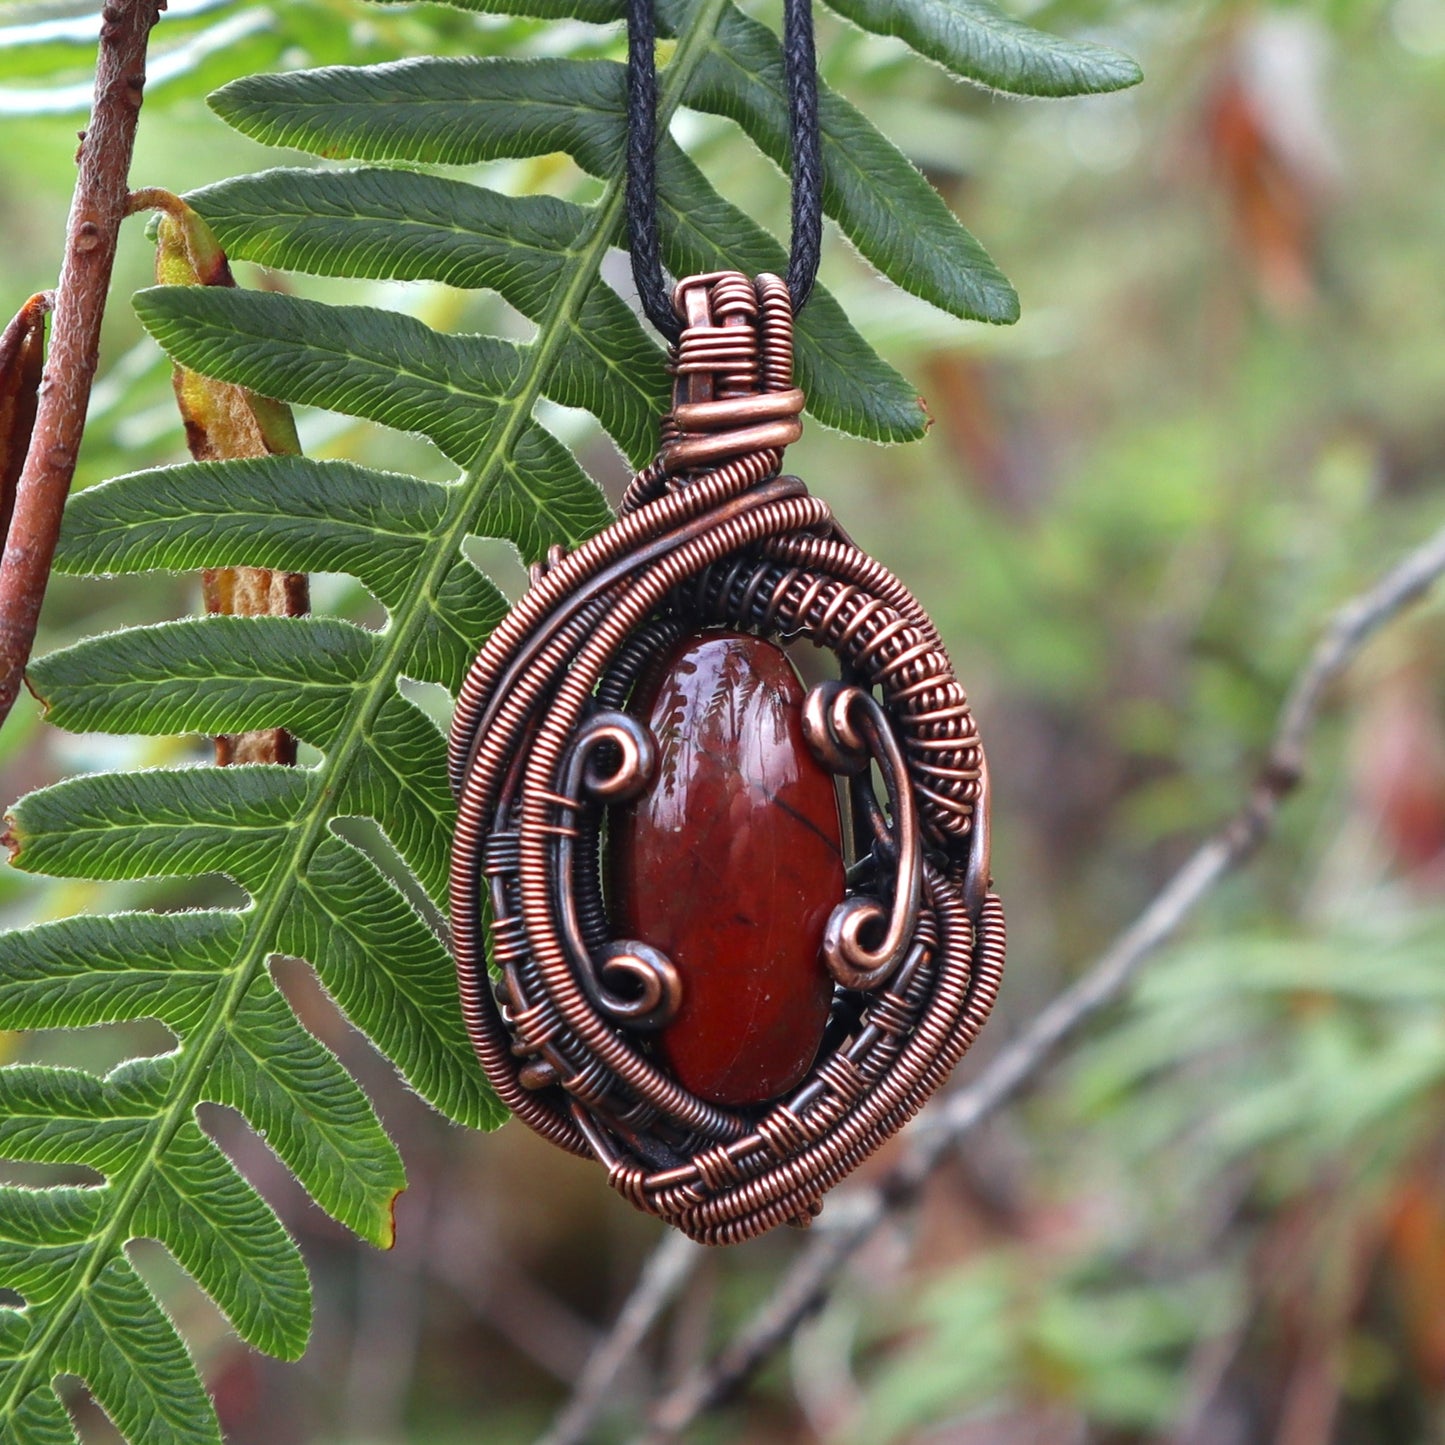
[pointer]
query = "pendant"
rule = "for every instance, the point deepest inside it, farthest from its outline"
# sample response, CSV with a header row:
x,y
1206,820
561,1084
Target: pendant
x,y
724,933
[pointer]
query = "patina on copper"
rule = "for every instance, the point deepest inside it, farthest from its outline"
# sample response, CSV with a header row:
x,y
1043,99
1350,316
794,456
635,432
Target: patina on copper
x,y
548,740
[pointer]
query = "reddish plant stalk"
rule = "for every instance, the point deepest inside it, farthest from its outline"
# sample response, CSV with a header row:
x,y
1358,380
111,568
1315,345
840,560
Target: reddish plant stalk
x,y
224,421
96,211
22,362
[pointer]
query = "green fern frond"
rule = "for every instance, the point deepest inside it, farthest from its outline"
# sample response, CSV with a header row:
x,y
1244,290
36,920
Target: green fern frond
x,y
309,892
978,42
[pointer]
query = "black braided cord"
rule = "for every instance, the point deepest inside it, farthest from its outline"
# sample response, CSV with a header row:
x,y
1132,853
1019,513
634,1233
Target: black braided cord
x,y
800,68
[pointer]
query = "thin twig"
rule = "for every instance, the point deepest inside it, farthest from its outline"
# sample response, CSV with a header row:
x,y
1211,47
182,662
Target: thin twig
x,y
96,211
670,1267
857,1213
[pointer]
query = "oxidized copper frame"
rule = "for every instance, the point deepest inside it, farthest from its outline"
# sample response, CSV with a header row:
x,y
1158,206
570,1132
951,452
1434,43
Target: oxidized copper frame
x,y
559,1010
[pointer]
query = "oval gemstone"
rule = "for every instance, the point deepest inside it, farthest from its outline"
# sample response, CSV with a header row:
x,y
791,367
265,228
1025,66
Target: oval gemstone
x,y
730,865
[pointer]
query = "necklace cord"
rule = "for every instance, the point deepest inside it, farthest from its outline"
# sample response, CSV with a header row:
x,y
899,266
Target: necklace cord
x,y
800,69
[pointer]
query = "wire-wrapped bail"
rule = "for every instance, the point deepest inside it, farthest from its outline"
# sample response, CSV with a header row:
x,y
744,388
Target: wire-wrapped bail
x,y
547,739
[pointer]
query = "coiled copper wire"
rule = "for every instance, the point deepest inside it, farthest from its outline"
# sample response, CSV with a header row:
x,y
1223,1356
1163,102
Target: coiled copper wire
x,y
708,533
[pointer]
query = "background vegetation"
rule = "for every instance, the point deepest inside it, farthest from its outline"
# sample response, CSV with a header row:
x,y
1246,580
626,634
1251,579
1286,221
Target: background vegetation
x,y
1224,1217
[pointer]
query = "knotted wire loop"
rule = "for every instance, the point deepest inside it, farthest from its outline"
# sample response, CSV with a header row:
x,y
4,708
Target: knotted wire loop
x,y
711,534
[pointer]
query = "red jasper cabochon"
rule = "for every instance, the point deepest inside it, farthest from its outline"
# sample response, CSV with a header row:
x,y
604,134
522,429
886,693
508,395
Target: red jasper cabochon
x,y
730,864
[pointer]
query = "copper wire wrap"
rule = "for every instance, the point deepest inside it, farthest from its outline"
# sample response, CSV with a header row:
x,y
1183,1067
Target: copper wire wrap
x,y
710,534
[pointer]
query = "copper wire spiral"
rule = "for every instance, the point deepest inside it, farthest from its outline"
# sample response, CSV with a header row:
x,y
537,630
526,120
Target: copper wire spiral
x,y
710,534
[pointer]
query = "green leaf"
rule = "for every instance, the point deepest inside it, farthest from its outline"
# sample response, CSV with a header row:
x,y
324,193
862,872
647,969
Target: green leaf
x,y
438,111
65,1116
884,206
536,496
976,41
382,365
227,1237
288,512
402,226
171,824
463,612
402,783
354,359
40,1232
81,971
345,224
123,1346
210,675
391,975
298,1098
598,12
396,225
39,1418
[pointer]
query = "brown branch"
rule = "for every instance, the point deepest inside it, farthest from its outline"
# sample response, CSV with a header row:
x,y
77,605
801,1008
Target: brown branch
x,y
854,1214
670,1267
96,211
